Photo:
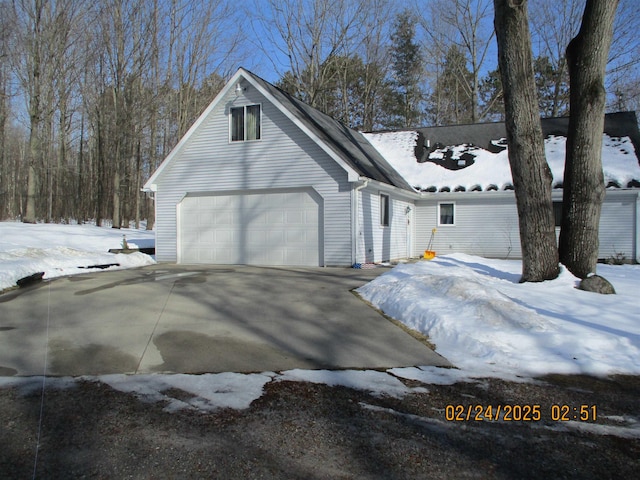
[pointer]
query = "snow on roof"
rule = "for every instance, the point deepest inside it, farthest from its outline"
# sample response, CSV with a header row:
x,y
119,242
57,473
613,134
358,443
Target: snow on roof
x,y
485,170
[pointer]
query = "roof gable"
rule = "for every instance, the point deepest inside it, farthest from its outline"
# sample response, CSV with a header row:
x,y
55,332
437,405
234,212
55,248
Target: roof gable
x,y
349,148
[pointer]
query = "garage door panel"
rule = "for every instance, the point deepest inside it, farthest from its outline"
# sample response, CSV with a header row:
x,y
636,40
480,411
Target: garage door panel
x,y
275,217
300,237
223,217
261,229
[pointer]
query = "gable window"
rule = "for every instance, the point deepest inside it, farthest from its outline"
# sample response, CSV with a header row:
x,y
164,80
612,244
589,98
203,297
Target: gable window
x,y
446,213
245,123
384,210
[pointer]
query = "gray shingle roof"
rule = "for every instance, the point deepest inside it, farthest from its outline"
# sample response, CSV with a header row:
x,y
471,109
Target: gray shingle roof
x,y
346,142
621,124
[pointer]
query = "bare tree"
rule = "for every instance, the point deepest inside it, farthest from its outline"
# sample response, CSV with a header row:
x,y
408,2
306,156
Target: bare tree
x,y
623,63
530,172
31,69
467,25
5,168
371,46
312,36
553,25
583,186
202,39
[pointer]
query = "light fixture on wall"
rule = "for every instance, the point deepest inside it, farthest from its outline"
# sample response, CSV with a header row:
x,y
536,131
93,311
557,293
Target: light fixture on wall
x,y
239,89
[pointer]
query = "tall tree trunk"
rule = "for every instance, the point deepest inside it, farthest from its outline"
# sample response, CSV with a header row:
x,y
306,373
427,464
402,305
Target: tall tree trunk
x,y
584,187
116,200
30,213
531,174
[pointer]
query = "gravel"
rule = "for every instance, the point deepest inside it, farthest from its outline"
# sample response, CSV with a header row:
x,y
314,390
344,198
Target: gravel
x,y
311,431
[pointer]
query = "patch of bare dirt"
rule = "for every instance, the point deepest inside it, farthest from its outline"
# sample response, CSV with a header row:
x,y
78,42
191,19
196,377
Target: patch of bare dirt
x,y
307,431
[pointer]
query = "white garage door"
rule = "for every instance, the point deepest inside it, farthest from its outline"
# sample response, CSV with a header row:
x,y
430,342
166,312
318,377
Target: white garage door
x,y
250,228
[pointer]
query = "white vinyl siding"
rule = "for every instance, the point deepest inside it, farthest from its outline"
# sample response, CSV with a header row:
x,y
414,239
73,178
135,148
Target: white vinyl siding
x,y
486,224
618,224
378,243
284,158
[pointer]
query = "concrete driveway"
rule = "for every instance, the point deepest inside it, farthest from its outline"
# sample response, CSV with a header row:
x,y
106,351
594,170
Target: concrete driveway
x,y
182,319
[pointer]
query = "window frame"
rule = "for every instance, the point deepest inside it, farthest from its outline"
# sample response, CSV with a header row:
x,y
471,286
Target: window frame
x,y
453,214
245,130
385,209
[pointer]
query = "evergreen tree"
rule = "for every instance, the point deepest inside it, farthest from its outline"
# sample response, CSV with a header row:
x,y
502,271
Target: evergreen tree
x,y
403,102
451,101
491,96
552,84
352,96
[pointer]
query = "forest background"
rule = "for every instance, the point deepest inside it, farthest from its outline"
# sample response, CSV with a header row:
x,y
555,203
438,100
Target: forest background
x,y
94,95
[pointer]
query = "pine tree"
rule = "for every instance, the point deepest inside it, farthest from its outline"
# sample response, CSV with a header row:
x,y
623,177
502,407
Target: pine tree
x,y
451,102
404,100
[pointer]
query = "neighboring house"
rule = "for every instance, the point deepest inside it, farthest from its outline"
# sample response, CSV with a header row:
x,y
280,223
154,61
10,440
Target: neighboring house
x,y
262,178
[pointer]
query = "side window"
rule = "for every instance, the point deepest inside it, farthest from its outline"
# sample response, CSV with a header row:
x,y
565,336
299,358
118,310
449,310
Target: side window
x,y
245,123
557,213
446,213
384,210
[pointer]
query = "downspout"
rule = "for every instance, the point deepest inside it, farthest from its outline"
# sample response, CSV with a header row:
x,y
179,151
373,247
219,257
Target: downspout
x,y
637,239
355,229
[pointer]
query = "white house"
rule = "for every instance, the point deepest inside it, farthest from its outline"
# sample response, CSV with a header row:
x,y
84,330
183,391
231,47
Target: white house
x,y
262,178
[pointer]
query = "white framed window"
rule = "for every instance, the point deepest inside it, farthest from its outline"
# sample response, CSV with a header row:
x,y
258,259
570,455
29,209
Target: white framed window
x,y
245,123
385,209
446,213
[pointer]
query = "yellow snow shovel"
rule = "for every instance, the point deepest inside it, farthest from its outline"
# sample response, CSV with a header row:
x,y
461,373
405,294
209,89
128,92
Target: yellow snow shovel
x,y
428,253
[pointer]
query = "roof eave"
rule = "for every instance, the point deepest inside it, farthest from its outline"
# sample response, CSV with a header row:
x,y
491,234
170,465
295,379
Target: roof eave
x,y
151,183
352,175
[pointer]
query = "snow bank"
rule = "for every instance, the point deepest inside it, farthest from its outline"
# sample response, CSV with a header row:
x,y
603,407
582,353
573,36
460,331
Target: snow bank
x,y
59,250
488,324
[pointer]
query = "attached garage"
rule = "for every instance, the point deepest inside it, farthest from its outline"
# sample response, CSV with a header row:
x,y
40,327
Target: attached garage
x,y
264,179
280,227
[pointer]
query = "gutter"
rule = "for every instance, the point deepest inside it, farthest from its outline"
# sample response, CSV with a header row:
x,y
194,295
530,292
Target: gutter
x,y
385,187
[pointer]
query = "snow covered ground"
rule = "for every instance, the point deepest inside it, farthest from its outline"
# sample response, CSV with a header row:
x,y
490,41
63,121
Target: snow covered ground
x,y
473,309
488,324
59,250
